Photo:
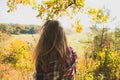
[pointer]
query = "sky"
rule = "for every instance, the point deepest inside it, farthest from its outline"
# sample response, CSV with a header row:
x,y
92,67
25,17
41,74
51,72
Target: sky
x,y
26,15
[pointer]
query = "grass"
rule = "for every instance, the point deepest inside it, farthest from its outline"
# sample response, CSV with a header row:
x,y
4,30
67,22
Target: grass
x,y
74,40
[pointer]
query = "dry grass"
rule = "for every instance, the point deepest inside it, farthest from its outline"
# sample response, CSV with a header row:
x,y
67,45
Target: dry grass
x,y
74,40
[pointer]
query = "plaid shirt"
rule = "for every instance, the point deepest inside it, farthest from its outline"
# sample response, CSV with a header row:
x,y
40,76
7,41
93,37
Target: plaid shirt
x,y
58,72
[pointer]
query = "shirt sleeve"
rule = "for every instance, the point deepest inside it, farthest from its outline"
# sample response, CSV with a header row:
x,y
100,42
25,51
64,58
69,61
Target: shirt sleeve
x,y
73,54
74,58
71,63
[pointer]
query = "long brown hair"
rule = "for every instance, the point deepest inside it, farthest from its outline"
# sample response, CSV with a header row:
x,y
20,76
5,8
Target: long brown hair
x,y
52,44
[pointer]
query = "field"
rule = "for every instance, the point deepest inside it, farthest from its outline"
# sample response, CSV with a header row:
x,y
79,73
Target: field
x,y
7,69
73,40
16,58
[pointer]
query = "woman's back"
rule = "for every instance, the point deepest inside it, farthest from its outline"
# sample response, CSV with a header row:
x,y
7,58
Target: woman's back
x,y
54,60
56,71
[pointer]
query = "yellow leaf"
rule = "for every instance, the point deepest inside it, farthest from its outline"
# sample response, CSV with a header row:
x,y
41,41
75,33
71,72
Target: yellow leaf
x,y
100,10
102,54
18,1
92,11
27,2
104,18
48,1
95,19
79,28
34,2
80,2
61,1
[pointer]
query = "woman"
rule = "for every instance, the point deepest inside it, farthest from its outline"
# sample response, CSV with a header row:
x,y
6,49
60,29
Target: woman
x,y
54,59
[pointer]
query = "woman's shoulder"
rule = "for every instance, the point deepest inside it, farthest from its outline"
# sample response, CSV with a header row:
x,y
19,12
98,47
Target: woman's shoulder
x,y
71,49
72,52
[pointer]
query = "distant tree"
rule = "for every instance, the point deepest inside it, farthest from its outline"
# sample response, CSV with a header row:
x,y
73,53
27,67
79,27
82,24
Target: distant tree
x,y
4,28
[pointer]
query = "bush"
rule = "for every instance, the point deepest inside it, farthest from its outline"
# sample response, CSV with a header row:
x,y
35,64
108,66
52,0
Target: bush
x,y
19,54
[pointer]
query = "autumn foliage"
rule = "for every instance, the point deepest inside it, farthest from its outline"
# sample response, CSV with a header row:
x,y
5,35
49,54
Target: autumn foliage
x,y
101,58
